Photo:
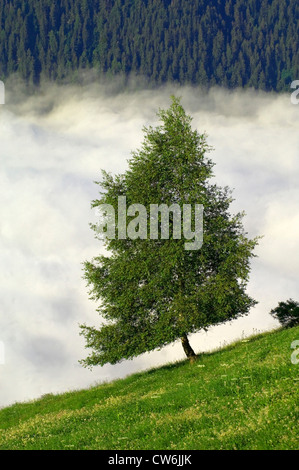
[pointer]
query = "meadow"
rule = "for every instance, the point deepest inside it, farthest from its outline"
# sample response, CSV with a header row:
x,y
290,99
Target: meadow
x,y
242,397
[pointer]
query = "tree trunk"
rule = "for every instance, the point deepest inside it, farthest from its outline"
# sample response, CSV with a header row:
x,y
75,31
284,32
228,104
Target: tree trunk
x,y
187,349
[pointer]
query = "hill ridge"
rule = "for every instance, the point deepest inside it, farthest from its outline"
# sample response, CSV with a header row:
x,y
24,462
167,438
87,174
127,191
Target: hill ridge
x,y
244,396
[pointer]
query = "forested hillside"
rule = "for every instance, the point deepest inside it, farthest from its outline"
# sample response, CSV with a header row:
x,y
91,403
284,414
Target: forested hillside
x,y
230,43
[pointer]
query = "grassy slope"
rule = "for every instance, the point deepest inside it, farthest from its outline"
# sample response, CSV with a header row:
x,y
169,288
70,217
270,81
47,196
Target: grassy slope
x,y
242,397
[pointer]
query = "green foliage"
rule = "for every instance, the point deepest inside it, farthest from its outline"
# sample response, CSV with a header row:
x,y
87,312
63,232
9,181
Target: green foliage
x,y
242,43
243,397
287,313
152,292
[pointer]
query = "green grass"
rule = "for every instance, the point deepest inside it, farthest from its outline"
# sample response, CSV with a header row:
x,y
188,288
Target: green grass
x,y
242,397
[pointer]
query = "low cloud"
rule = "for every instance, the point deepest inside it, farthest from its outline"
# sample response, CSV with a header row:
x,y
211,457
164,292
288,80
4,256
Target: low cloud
x,y
54,144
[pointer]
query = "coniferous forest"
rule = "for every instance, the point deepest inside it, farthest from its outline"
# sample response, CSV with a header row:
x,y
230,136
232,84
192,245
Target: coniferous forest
x,y
232,43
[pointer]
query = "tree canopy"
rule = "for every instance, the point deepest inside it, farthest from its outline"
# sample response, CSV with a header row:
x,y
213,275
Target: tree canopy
x,y
287,313
152,291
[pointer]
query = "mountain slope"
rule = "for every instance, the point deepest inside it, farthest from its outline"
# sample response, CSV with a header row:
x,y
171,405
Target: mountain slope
x,y
242,397
241,43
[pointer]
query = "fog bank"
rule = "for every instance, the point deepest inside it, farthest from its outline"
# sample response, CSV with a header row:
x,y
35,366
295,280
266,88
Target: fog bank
x,y
54,144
